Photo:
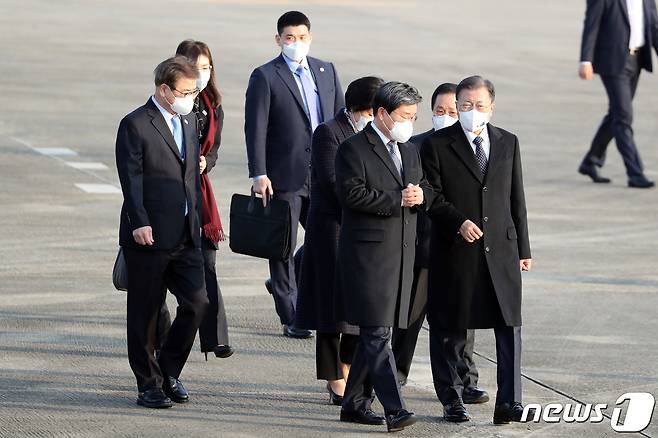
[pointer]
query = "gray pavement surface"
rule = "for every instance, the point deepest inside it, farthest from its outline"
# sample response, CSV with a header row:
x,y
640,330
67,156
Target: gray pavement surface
x,y
71,69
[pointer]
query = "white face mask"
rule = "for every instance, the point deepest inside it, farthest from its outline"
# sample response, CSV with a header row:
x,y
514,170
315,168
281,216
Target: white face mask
x,y
401,131
443,121
203,79
182,105
296,51
473,120
363,121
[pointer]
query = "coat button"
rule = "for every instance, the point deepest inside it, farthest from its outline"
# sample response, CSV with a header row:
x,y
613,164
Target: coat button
x,y
484,189
405,244
406,221
486,219
487,249
308,149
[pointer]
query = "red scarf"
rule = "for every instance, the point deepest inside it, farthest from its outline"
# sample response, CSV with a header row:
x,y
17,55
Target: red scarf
x,y
210,220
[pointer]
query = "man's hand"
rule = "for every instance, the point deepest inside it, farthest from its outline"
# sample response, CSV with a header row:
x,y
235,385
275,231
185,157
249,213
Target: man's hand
x,y
586,71
144,236
202,163
412,195
526,264
470,232
263,186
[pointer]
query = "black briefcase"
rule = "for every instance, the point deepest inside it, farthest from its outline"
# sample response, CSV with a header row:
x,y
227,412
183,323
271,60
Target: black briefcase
x,y
260,231
119,272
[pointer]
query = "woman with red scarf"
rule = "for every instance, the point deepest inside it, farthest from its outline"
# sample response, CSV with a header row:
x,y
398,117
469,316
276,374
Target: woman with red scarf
x,y
213,332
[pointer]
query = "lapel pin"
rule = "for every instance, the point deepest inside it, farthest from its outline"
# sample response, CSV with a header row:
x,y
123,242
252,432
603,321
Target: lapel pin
x,y
321,69
185,120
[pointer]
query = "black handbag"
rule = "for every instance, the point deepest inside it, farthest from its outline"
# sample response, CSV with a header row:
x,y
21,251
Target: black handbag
x,y
119,272
260,231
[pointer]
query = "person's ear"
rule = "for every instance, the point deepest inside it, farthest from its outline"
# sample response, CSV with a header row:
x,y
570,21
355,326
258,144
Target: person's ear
x,y
277,39
310,37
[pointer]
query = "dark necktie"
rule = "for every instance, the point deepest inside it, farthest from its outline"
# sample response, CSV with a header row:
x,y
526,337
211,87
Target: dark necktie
x,y
480,156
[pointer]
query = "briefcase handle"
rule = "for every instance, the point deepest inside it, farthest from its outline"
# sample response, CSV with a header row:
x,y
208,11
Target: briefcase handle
x,y
253,200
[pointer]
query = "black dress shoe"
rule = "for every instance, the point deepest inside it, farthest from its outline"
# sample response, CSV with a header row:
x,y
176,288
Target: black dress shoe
x,y
268,286
334,398
591,171
362,417
640,182
507,412
473,395
154,398
399,420
175,390
455,412
293,332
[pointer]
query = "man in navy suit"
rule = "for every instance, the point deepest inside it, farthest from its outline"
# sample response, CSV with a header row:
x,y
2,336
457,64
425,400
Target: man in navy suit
x,y
287,98
616,44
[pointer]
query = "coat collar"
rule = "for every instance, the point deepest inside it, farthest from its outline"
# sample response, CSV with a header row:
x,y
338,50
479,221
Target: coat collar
x,y
344,124
382,152
463,149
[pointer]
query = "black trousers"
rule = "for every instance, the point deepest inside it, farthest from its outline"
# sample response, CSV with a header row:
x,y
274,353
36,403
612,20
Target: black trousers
x,y
283,273
213,330
447,349
373,366
618,122
149,273
331,351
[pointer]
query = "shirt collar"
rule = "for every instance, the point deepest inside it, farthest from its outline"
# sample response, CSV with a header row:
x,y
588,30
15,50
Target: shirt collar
x,y
383,137
166,114
484,135
294,65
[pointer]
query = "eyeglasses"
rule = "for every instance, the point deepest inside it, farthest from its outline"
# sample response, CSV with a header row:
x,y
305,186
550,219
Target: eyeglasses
x,y
442,112
193,93
468,106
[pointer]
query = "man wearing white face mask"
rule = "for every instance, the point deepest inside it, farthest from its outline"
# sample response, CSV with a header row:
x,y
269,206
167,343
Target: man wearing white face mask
x,y
286,100
157,152
480,245
381,187
444,109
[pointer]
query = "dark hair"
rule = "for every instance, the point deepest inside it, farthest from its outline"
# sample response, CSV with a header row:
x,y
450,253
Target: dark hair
x,y
446,88
392,95
192,50
475,82
292,18
171,70
361,92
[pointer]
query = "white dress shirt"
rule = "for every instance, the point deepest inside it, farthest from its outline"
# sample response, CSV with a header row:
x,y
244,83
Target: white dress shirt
x,y
636,19
486,145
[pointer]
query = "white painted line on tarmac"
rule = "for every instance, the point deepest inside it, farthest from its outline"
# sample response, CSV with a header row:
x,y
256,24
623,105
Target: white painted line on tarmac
x,y
105,189
56,152
91,165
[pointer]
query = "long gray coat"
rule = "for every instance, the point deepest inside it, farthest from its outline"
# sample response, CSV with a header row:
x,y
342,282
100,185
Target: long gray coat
x,y
377,239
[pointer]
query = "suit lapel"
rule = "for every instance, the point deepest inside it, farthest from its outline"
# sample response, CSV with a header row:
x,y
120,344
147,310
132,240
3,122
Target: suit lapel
x,y
320,76
624,9
496,150
159,123
464,152
286,76
380,149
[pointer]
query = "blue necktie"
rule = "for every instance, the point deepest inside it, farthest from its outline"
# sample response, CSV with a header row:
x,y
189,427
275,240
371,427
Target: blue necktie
x,y
178,138
178,135
310,96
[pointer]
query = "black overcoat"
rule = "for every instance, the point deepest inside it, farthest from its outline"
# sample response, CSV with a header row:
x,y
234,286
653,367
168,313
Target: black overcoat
x,y
377,236
475,285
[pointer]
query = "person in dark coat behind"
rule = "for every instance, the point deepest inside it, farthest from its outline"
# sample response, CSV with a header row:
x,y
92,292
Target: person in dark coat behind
x,y
479,247
336,340
380,185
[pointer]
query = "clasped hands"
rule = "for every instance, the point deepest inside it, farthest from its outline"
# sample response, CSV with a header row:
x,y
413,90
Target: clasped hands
x,y
471,232
412,195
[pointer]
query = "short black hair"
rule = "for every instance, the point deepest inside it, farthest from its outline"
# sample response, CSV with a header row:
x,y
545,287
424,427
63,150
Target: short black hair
x,y
475,82
392,95
292,18
361,92
445,88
